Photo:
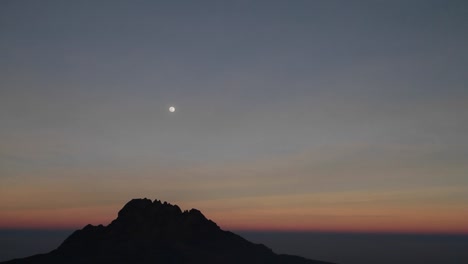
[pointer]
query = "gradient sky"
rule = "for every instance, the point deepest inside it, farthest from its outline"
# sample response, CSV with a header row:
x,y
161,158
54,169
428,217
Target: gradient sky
x,y
291,115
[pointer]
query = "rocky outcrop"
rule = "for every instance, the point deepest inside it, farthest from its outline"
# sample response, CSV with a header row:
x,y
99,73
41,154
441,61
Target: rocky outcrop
x,y
156,232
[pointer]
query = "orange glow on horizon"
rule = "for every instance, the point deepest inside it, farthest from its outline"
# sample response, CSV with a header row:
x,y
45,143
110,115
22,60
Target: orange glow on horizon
x,y
393,211
246,221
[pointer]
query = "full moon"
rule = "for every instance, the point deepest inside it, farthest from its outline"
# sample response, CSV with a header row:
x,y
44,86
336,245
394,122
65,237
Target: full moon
x,y
172,109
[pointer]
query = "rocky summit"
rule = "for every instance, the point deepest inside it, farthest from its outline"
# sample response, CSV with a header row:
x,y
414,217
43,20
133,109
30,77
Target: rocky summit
x,y
156,232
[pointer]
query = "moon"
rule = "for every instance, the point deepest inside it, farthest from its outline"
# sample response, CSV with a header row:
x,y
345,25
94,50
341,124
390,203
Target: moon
x,y
172,109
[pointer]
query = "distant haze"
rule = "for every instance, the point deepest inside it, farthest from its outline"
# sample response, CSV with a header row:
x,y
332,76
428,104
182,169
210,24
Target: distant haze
x,y
337,247
291,115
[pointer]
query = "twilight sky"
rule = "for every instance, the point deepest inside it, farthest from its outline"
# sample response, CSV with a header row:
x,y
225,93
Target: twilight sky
x,y
291,115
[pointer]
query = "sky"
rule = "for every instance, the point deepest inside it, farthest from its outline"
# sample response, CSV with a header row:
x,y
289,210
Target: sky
x,y
290,115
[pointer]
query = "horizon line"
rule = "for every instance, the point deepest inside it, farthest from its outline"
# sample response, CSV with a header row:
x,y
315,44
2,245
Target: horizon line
x,y
291,231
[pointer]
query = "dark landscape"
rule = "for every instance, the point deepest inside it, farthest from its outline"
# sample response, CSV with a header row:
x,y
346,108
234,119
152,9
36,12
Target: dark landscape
x,y
343,248
156,232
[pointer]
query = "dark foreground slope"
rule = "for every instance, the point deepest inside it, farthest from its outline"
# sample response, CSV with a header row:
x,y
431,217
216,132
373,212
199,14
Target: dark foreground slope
x,y
155,232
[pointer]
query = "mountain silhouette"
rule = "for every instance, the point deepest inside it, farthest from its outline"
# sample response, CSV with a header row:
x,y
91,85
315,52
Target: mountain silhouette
x,y
156,232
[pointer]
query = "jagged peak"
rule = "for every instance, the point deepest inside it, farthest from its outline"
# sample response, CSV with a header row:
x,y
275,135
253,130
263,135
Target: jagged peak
x,y
140,204
143,212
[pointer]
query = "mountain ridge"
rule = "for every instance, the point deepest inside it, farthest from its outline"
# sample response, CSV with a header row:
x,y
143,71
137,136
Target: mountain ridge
x,y
159,232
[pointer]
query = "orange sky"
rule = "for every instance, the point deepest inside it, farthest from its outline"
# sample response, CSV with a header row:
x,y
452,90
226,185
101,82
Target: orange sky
x,y
250,195
346,211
